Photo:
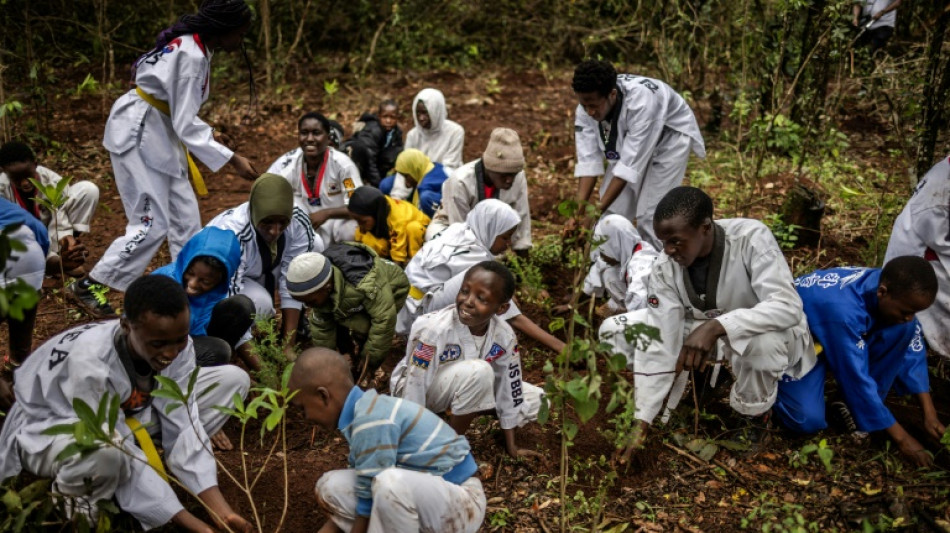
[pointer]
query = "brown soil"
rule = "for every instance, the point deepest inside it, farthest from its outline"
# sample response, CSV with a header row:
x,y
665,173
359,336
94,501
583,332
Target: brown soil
x,y
664,489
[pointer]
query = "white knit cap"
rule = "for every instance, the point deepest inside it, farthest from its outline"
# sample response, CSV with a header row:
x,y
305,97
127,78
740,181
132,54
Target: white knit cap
x,y
308,273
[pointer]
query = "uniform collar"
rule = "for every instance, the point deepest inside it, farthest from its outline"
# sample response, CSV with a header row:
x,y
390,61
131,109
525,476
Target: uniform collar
x,y
349,406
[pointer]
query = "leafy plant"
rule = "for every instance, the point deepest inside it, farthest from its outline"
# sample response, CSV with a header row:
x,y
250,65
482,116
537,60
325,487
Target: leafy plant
x,y
18,296
821,449
784,233
53,197
780,518
269,345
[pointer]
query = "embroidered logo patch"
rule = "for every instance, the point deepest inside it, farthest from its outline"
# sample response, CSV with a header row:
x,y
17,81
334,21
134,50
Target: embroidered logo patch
x,y
495,352
450,353
349,186
422,355
653,301
171,46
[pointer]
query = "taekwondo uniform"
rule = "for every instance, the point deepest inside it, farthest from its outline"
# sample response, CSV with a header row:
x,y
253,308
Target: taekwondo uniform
x,y
335,183
148,150
408,470
646,142
466,187
446,367
923,230
261,273
85,363
865,358
74,216
626,282
750,291
436,272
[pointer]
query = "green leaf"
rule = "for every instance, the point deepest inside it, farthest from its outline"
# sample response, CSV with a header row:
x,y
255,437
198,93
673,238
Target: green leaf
x,y
544,412
84,412
24,515
60,429
113,412
707,452
168,385
580,320
70,450
586,409
192,379
11,500
285,377
172,406
208,389
37,489
570,429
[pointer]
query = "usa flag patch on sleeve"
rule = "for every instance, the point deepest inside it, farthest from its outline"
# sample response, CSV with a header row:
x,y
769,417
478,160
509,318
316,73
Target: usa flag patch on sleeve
x,y
495,352
422,355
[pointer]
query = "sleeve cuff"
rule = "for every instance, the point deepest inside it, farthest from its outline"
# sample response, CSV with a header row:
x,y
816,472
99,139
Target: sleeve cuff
x,y
625,173
590,168
364,507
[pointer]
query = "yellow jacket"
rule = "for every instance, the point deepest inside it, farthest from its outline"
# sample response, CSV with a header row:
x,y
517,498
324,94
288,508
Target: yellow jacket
x,y
407,229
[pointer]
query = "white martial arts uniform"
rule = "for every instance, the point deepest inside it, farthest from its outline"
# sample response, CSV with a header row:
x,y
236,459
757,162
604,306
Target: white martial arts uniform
x,y
436,272
626,282
923,230
442,142
250,277
151,171
871,7
655,131
750,292
340,179
28,265
465,188
446,367
74,216
84,363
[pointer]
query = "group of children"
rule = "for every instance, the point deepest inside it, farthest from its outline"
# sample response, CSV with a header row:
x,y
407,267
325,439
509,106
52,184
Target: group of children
x,y
358,240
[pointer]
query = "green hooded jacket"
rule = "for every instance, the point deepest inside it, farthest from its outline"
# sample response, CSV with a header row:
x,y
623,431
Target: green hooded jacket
x,y
368,292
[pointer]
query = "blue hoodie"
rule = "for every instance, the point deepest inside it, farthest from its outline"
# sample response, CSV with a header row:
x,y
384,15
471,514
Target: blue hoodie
x,y
219,243
11,213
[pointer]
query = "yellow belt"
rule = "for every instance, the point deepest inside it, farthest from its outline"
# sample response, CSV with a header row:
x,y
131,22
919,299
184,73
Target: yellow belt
x,y
145,442
192,167
416,293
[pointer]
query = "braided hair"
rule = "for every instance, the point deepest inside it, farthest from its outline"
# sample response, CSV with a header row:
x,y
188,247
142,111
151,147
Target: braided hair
x,y
214,17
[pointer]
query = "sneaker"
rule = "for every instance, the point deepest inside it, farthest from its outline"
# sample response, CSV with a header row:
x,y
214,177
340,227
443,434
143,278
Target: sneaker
x,y
91,297
840,416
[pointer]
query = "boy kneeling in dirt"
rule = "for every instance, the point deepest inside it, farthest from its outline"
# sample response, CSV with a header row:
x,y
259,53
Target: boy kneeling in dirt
x,y
720,287
123,357
354,296
864,320
465,358
408,470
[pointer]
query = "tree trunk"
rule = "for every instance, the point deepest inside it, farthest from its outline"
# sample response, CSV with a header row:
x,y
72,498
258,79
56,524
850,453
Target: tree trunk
x,y
265,23
936,91
804,209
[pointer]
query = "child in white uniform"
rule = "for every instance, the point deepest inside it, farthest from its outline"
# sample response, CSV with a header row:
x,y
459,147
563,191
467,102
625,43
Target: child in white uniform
x,y
621,265
323,179
465,358
434,135
151,133
122,358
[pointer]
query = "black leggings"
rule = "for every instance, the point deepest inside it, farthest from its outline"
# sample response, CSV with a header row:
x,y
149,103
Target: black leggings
x,y
230,319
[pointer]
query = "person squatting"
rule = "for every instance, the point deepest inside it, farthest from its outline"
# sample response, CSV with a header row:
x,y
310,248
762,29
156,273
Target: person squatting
x,y
357,242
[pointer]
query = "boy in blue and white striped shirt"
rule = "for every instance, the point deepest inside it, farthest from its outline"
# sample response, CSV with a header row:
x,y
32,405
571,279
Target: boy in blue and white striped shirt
x,y
409,471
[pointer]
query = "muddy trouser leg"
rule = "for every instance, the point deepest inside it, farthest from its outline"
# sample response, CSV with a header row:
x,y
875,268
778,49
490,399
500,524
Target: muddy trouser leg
x,y
87,478
184,216
664,172
613,332
81,204
800,405
758,370
145,195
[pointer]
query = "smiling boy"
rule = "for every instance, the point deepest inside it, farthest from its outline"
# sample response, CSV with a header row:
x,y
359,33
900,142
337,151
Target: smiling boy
x,y
864,320
465,358
122,358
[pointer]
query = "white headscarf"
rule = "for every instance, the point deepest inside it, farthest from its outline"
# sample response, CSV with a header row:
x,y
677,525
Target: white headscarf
x,y
434,101
622,239
489,219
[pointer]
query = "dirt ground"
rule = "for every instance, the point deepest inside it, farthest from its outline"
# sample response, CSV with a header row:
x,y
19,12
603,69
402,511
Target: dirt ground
x,y
666,488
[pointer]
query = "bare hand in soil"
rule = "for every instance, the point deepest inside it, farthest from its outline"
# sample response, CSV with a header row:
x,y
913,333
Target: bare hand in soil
x,y
698,346
239,524
243,167
934,427
221,441
913,450
636,443
72,251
